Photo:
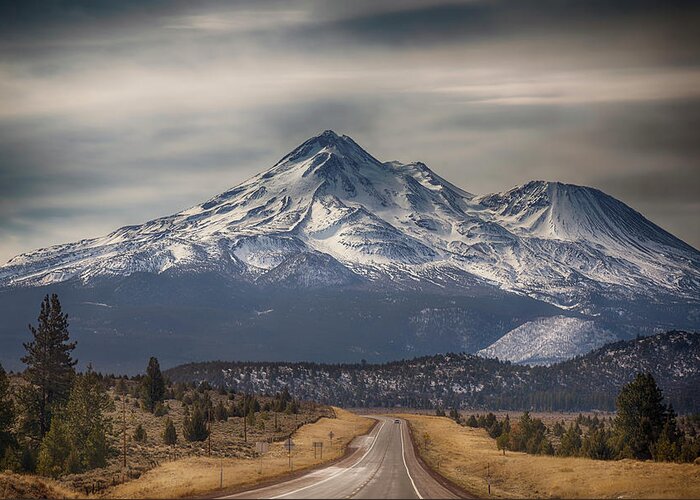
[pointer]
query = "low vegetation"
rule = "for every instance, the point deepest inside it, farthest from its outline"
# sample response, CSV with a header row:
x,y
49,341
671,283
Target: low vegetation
x,y
14,485
197,475
92,432
643,428
469,457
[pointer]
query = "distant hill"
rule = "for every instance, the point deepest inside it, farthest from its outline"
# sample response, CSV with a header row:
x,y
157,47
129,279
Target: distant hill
x,y
546,341
588,382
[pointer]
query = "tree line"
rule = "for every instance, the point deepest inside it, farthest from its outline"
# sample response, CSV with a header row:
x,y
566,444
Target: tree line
x,y
644,428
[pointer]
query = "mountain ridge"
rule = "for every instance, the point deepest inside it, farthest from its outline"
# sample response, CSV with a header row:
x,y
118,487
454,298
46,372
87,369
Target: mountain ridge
x,y
330,196
330,216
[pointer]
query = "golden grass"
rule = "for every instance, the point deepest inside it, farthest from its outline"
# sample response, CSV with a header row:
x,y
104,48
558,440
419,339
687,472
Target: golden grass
x,y
198,475
29,486
463,454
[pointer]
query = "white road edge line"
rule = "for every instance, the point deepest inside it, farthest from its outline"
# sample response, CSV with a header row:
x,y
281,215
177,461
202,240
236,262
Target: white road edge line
x,y
403,456
341,471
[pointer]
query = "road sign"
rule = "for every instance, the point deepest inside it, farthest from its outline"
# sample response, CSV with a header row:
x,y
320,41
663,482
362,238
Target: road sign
x,y
262,447
318,445
331,435
289,444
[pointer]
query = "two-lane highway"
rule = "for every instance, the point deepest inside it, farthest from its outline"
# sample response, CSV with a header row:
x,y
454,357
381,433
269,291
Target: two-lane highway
x,y
382,466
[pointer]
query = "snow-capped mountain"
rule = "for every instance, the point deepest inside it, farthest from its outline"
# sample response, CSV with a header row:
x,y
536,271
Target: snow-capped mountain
x,y
329,214
332,199
545,341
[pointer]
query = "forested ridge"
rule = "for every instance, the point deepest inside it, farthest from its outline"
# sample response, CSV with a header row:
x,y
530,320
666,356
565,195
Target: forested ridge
x,y
461,380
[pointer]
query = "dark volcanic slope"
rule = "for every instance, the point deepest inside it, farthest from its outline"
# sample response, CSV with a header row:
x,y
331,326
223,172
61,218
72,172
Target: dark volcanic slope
x,y
588,382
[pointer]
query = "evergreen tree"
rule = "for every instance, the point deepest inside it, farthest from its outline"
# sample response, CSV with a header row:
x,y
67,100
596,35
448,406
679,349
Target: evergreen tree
x,y
169,434
7,418
49,368
640,417
77,440
152,385
194,426
595,444
55,449
503,442
668,446
558,430
140,434
570,445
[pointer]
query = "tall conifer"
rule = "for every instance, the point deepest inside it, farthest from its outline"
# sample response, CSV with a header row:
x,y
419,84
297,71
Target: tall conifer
x,y
153,385
50,368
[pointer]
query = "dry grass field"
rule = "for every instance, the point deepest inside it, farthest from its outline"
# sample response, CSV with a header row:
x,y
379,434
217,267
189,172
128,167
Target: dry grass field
x,y
21,486
198,475
227,440
464,455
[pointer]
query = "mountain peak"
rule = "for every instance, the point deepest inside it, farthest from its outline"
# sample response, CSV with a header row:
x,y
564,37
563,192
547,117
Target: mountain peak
x,y
329,142
330,134
329,196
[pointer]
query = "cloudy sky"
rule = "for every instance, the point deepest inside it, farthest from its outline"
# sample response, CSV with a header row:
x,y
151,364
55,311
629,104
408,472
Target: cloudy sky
x,y
113,113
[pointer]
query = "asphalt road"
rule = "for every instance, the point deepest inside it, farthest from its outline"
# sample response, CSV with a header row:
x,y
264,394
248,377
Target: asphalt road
x,y
383,465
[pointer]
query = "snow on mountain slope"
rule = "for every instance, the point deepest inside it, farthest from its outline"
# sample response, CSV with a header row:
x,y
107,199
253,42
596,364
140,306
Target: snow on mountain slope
x,y
355,218
595,235
548,340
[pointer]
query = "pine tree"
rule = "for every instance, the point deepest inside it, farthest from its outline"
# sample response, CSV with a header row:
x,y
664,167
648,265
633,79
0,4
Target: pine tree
x,y
169,434
55,449
49,370
640,417
503,442
570,445
153,385
77,440
140,434
595,444
668,446
7,418
194,426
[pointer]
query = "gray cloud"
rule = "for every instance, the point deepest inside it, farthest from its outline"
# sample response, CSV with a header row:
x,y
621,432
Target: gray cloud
x,y
112,113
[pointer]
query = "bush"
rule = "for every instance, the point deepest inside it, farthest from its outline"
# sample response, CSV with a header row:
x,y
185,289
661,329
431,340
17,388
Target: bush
x,y
140,434
169,434
161,410
194,427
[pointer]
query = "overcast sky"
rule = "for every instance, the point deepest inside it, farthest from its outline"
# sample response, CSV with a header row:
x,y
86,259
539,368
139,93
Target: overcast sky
x,y
114,113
